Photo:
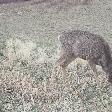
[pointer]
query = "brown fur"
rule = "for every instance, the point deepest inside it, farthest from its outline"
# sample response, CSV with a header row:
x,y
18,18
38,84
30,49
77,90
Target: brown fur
x,y
88,46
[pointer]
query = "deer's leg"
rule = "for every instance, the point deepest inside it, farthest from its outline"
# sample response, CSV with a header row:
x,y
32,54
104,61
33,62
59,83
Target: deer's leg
x,y
93,66
63,62
104,62
57,65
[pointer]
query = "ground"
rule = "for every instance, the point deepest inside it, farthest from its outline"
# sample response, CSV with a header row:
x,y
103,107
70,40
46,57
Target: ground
x,y
29,48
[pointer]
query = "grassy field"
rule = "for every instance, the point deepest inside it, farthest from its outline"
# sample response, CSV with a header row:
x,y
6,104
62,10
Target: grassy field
x,y
29,49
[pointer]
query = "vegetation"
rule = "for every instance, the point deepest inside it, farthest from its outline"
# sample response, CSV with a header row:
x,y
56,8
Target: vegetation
x,y
29,49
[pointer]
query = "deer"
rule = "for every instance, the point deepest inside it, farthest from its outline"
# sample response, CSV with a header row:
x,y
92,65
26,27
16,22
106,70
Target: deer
x,y
85,45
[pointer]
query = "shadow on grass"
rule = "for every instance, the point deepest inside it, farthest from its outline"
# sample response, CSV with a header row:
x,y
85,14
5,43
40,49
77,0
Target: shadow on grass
x,y
10,1
55,2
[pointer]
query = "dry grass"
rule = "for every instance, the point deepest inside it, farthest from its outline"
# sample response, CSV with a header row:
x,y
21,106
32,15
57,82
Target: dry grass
x,y
25,83
28,51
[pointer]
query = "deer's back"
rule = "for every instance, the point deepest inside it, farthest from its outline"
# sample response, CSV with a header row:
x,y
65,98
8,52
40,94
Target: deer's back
x,y
84,44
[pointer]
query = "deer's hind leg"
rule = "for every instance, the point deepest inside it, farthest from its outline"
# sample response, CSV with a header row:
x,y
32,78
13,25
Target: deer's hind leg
x,y
93,66
95,75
